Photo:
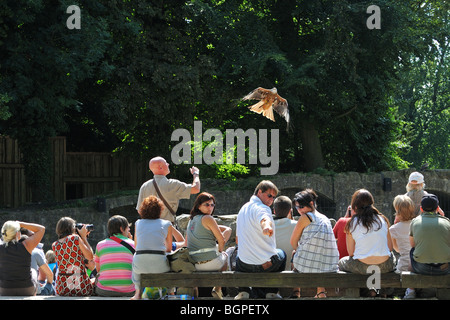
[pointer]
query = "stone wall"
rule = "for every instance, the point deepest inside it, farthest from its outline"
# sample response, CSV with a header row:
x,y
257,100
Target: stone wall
x,y
49,219
335,191
334,196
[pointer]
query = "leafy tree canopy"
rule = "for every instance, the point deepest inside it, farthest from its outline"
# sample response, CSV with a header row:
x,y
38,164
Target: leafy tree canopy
x,y
360,99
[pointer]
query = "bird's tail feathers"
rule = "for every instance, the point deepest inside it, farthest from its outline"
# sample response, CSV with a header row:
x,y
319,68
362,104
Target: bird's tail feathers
x,y
257,107
269,114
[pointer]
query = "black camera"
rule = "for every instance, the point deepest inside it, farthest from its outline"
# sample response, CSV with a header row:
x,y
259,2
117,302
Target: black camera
x,y
89,227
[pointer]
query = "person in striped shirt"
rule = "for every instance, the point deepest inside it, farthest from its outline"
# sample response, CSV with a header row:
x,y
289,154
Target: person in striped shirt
x,y
114,260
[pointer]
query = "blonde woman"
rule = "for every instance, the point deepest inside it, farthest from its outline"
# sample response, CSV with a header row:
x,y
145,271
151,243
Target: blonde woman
x,y
15,259
404,213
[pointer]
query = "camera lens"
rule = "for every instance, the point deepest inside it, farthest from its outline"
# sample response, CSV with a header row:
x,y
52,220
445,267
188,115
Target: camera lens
x,y
89,227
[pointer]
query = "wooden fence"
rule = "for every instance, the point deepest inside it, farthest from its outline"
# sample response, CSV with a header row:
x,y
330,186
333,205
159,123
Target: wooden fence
x,y
75,174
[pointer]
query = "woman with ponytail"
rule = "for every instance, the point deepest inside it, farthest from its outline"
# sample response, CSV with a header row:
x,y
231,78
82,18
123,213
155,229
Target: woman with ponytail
x,y
313,239
368,239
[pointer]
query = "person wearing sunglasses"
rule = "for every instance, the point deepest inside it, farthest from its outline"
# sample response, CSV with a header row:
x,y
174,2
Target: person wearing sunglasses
x,y
255,233
202,233
313,239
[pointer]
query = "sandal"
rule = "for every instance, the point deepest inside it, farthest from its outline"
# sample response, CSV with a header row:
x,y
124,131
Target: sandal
x,y
217,293
317,296
372,293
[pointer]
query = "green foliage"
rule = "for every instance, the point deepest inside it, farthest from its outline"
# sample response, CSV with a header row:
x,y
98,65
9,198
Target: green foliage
x,y
421,101
4,110
42,64
359,99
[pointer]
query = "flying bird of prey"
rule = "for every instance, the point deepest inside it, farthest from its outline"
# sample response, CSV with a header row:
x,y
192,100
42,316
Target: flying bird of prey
x,y
269,100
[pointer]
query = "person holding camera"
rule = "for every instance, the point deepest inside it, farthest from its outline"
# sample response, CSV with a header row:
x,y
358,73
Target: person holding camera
x,y
71,249
339,232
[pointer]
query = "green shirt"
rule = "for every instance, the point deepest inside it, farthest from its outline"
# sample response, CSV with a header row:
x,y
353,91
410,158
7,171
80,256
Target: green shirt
x,y
201,241
431,233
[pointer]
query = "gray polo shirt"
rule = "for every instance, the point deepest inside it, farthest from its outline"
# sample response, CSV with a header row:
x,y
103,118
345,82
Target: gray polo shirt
x,y
172,190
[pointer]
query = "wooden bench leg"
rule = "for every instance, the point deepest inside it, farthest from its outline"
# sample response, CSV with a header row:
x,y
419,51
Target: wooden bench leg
x,y
351,292
443,294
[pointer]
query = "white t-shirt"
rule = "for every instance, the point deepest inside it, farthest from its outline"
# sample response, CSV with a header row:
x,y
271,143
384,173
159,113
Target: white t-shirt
x,y
400,232
371,243
253,246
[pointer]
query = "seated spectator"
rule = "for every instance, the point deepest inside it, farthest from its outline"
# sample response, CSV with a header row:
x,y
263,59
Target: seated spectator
x,y
15,259
256,240
368,238
113,260
71,249
202,233
339,233
415,190
313,239
430,239
284,226
404,213
51,262
152,239
39,267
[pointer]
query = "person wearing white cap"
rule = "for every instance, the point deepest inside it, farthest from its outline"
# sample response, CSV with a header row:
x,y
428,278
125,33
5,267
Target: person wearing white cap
x,y
415,190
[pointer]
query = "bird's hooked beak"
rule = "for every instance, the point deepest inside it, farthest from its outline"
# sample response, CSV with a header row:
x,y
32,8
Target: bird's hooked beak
x,y
274,90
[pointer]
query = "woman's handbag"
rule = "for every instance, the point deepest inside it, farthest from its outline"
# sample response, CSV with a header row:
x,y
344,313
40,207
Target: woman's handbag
x,y
180,261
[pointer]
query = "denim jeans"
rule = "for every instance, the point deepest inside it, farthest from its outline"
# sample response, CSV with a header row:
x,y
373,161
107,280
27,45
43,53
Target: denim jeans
x,y
431,269
278,265
47,290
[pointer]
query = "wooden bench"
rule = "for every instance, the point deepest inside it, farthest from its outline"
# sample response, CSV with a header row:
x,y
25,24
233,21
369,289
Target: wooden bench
x,y
350,282
441,283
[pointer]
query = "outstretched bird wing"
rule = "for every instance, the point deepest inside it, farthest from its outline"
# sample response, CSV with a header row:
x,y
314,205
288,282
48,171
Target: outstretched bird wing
x,y
269,100
257,94
280,105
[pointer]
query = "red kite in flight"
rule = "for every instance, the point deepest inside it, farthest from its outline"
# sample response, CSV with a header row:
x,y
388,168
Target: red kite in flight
x,y
269,101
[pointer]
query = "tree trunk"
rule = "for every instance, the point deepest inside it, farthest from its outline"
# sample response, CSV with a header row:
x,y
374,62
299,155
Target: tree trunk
x,y
312,151
37,162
